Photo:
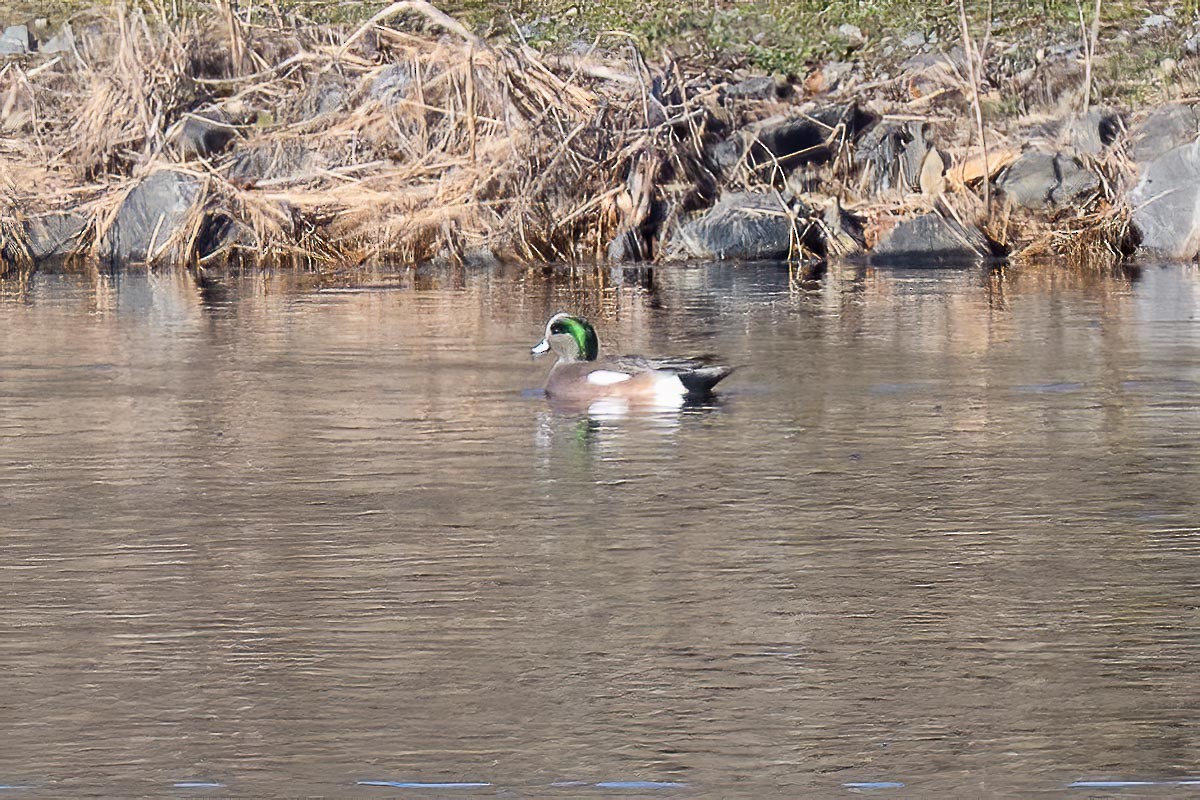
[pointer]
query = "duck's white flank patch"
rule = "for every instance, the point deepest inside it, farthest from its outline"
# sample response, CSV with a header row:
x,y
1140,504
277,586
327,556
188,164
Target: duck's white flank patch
x,y
606,377
669,389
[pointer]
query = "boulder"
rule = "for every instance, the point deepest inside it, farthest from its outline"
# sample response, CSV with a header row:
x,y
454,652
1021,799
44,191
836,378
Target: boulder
x,y
152,214
61,42
742,226
1164,129
931,239
202,134
1045,181
17,41
54,235
1166,204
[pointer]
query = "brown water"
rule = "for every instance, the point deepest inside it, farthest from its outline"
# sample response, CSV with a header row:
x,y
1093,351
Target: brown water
x,y
286,536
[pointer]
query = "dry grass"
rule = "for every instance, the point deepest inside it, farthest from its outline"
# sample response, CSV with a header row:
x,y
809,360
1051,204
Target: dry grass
x,y
408,138
477,145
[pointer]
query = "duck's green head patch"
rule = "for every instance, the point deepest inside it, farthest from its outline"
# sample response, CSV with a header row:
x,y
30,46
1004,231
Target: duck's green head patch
x,y
582,338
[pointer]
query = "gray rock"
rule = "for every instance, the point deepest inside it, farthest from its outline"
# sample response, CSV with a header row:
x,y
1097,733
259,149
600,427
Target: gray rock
x,y
1164,129
1076,183
1155,21
269,162
1166,203
852,34
61,42
893,154
151,215
391,84
834,74
1045,181
17,41
913,41
1192,45
742,226
931,239
54,235
1091,133
727,154
762,87
203,134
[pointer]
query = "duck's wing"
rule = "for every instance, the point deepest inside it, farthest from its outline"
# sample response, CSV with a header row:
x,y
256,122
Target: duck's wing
x,y
698,375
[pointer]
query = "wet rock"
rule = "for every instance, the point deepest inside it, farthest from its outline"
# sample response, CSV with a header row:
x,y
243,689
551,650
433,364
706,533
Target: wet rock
x,y
17,41
1166,204
54,235
931,239
152,215
1164,129
1093,132
810,139
1043,181
742,226
203,134
760,88
61,42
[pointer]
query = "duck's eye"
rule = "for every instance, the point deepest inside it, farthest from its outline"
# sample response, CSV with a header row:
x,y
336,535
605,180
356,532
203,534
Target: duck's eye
x,y
558,327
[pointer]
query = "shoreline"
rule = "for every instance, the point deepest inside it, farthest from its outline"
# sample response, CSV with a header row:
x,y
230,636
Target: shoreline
x,y
210,141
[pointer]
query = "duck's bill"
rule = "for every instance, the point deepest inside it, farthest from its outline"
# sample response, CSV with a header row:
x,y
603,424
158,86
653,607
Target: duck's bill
x,y
541,347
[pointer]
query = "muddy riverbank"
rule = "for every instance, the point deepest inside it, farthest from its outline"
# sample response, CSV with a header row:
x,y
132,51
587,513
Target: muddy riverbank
x,y
218,139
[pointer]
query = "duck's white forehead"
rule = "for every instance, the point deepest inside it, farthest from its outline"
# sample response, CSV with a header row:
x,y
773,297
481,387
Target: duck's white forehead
x,y
559,316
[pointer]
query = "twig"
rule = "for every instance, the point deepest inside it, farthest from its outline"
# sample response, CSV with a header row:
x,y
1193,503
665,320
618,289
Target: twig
x,y
973,73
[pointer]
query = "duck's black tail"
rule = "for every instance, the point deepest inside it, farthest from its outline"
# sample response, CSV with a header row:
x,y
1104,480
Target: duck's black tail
x,y
700,381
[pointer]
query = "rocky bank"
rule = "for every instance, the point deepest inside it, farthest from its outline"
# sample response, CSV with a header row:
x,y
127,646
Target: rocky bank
x,y
214,140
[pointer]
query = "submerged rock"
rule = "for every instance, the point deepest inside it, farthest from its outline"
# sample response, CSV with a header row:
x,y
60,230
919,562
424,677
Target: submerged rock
x,y
1044,181
152,215
742,226
931,238
54,235
1166,204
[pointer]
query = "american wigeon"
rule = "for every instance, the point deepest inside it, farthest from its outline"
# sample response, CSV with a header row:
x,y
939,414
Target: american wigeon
x,y
581,376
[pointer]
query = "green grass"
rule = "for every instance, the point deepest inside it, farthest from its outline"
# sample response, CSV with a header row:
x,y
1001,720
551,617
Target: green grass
x,y
779,36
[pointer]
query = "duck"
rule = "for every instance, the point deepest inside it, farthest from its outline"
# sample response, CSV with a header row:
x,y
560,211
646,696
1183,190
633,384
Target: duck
x,y
581,376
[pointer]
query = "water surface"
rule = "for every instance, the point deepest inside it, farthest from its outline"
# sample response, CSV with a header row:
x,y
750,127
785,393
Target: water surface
x,y
292,536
